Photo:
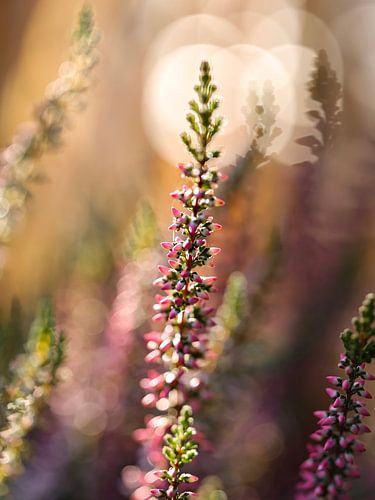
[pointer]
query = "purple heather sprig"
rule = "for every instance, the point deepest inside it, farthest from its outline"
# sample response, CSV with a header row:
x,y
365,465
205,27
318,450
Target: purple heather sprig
x,y
330,466
181,346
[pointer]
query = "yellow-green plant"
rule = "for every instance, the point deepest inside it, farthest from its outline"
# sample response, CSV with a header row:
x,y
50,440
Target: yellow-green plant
x,y
33,374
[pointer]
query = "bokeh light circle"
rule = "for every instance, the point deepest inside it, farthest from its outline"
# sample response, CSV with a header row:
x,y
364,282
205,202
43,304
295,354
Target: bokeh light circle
x,y
195,29
168,89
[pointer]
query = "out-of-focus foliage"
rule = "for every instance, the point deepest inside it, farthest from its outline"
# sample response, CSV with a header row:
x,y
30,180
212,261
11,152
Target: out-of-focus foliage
x,y
18,163
33,374
142,234
231,313
325,89
260,115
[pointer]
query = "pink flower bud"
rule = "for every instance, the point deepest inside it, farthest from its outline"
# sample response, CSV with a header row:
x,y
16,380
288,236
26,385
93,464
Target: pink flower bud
x,y
330,443
363,411
172,314
348,370
215,250
193,227
363,428
193,300
180,360
308,464
156,383
341,419
203,295
208,280
319,490
353,472
156,493
359,447
340,462
165,345
332,489
364,394
339,480
152,336
327,421
149,400
344,441
196,324
346,385
332,393
338,402
219,202
334,380
164,270
158,317
152,356
191,479
200,243
320,414
354,429
316,436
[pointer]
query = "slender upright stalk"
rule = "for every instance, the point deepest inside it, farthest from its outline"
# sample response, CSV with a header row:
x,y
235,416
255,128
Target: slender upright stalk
x,y
181,346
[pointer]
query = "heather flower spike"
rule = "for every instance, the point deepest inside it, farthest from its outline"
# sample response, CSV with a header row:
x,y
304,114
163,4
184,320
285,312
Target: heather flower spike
x,y
182,304
330,467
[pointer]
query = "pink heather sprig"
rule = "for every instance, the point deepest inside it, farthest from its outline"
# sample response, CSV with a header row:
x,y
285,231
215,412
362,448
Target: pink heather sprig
x,y
182,305
330,467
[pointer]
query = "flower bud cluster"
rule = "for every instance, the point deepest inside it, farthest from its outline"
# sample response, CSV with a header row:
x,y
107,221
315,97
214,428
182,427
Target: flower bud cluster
x,y
179,449
184,293
330,466
17,161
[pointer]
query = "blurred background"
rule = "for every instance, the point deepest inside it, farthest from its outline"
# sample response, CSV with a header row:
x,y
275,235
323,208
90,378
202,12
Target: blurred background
x,y
297,77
